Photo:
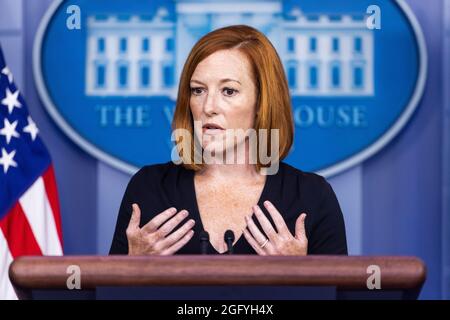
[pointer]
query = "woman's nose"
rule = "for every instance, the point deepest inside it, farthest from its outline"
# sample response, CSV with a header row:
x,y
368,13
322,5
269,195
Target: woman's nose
x,y
210,106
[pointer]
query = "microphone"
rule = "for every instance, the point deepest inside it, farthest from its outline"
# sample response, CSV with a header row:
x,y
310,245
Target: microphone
x,y
204,239
229,238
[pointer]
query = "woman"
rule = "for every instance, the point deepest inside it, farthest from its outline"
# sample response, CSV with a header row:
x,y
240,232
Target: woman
x,y
233,79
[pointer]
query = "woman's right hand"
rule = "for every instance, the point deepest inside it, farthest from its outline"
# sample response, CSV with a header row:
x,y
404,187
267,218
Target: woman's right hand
x,y
155,237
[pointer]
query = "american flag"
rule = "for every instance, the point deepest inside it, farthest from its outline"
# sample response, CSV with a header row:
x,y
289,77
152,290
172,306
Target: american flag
x,y
30,222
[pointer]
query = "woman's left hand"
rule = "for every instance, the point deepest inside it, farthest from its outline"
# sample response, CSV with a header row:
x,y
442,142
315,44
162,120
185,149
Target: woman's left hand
x,y
275,242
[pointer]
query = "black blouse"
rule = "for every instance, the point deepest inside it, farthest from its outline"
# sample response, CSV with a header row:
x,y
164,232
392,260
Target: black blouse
x,y
156,188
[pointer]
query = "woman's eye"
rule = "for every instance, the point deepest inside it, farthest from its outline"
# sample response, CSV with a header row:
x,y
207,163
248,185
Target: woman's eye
x,y
229,91
196,91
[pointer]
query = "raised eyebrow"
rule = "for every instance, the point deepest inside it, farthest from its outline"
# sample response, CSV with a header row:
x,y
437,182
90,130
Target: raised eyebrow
x,y
197,82
221,81
228,80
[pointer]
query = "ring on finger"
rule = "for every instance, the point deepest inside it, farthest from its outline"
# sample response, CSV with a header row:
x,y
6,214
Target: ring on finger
x,y
262,245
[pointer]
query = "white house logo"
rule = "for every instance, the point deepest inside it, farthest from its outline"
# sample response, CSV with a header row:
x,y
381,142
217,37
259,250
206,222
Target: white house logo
x,y
111,83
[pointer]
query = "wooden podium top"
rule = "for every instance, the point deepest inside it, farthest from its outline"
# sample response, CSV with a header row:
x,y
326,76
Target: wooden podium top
x,y
400,273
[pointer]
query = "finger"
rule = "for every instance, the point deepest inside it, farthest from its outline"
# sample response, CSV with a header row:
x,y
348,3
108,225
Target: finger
x,y
135,217
172,223
300,231
178,234
265,224
253,243
277,218
158,220
180,244
257,234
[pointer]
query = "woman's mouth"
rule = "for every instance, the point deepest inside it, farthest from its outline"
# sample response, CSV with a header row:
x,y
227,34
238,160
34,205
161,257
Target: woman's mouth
x,y
212,129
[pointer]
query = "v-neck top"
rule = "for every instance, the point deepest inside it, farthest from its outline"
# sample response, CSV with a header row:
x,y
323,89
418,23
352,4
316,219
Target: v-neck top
x,y
158,187
211,248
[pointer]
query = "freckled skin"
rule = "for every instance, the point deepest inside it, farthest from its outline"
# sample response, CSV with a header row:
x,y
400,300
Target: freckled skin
x,y
224,204
230,104
225,198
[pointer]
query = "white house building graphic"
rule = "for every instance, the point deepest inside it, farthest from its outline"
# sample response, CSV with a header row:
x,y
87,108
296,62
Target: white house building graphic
x,y
140,55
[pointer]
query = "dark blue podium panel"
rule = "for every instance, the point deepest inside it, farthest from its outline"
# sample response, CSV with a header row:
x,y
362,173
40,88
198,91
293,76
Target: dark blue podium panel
x,y
218,293
222,293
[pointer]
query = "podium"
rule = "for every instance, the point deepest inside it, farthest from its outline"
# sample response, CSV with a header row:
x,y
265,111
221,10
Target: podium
x,y
210,277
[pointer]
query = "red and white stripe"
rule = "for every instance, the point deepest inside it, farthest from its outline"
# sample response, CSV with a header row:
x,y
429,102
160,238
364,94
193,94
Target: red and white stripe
x,y
31,227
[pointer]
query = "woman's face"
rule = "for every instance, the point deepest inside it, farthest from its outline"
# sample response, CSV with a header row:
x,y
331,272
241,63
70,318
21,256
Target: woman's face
x,y
223,97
